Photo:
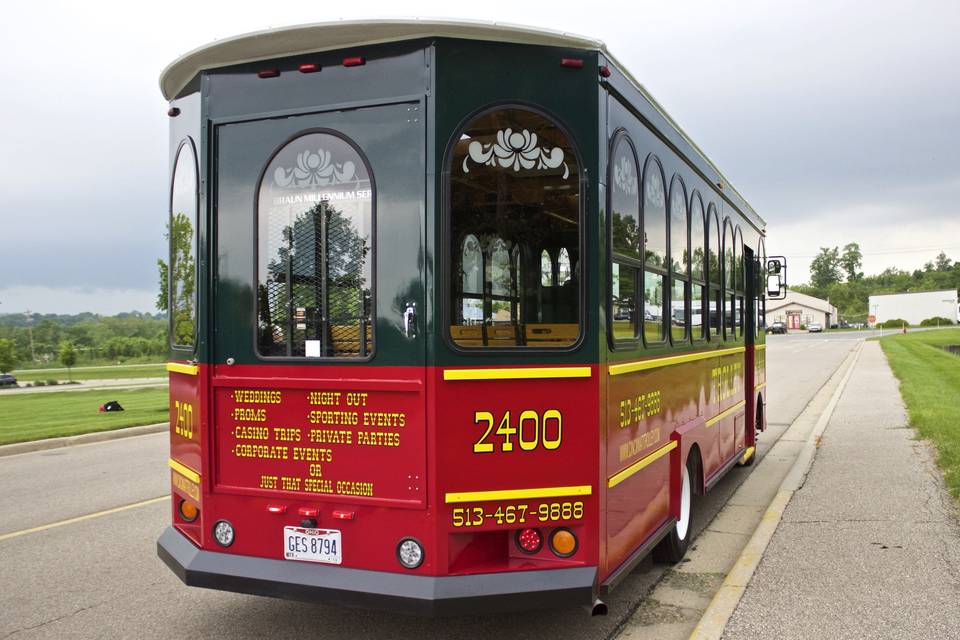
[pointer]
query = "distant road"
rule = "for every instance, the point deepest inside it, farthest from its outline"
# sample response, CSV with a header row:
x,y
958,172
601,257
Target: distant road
x,y
85,385
90,368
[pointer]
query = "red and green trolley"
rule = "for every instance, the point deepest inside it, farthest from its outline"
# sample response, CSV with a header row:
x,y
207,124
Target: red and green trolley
x,y
460,318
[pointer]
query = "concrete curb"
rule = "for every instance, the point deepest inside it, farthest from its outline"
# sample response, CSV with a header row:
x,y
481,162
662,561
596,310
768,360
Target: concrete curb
x,y
714,620
86,438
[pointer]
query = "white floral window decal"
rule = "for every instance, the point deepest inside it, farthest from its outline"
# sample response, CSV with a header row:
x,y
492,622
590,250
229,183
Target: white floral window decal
x,y
625,175
515,150
315,169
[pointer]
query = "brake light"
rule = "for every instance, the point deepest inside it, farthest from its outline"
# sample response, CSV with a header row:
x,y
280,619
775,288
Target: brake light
x,y
529,540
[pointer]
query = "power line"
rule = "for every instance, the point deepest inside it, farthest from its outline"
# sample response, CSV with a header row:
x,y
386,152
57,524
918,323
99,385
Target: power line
x,y
887,252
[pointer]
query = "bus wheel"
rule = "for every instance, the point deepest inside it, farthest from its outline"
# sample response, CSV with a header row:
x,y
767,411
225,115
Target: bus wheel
x,y
674,546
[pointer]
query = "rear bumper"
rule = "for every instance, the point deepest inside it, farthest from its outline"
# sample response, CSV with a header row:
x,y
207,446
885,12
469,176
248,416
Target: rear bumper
x,y
398,592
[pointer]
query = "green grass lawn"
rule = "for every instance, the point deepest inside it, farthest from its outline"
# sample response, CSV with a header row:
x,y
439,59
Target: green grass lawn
x,y
154,370
35,416
930,386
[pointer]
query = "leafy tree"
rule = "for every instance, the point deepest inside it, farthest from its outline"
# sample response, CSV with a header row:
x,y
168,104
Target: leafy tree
x,y
825,268
8,355
68,357
942,262
182,273
851,261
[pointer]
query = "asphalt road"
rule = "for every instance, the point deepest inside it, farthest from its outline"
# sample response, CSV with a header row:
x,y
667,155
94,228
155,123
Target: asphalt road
x,y
100,577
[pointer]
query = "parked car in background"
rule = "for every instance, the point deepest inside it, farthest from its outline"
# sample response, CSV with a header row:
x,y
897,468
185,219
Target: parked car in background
x,y
7,380
814,327
777,327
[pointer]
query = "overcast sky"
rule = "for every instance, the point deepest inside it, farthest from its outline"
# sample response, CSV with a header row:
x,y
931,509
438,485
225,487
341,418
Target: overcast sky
x,y
839,121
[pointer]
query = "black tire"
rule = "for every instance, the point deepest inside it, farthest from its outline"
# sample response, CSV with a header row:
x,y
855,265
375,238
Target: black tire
x,y
674,545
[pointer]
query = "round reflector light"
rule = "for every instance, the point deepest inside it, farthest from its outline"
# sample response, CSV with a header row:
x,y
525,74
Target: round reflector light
x,y
188,511
223,533
563,543
410,553
529,540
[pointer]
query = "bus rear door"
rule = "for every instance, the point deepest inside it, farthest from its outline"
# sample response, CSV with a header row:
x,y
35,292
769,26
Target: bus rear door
x,y
318,407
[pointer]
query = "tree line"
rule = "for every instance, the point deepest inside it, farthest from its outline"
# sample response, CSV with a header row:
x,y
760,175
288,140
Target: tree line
x,y
40,339
836,275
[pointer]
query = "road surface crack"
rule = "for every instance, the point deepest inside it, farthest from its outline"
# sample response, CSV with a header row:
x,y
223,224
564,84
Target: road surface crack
x,y
57,619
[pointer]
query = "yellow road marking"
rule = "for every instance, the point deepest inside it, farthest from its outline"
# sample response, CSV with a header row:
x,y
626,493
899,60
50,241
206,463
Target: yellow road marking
x,y
89,516
517,374
184,470
656,363
726,412
619,477
519,494
188,369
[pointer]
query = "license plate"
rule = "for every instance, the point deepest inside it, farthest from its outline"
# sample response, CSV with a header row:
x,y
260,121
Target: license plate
x,y
312,545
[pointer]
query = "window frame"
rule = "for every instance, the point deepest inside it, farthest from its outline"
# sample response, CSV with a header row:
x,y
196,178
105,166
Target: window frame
x,y
662,272
677,180
371,354
186,141
446,232
637,265
705,278
729,257
714,289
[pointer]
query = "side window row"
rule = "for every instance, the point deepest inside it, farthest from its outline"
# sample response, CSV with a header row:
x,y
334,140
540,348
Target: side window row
x,y
676,273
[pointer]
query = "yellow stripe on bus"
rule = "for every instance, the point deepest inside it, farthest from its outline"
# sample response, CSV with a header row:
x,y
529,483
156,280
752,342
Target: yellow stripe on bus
x,y
185,471
759,346
656,363
517,374
723,414
760,386
188,369
747,454
617,478
519,494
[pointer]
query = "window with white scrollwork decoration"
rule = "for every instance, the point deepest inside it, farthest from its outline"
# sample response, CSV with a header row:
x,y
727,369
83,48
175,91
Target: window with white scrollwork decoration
x,y
315,222
514,186
182,234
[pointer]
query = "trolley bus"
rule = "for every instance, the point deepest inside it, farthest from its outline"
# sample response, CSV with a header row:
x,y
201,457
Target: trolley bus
x,y
460,318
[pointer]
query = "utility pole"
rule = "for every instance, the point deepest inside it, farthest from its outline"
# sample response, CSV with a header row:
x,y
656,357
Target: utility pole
x,y
33,355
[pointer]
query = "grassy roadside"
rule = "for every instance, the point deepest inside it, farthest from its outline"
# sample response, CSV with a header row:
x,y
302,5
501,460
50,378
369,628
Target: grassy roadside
x,y
153,370
930,385
36,416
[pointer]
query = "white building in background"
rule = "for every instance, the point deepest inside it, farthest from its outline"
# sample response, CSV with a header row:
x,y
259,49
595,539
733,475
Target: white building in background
x,y
798,309
914,307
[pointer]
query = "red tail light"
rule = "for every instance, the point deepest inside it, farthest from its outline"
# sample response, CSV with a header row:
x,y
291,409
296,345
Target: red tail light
x,y
268,73
355,61
529,540
309,67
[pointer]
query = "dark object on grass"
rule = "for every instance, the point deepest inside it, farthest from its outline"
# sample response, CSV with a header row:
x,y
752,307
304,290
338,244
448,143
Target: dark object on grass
x,y
113,405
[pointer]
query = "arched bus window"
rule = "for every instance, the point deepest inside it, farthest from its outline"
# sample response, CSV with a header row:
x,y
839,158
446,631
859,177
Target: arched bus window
x,y
182,233
546,269
715,261
729,270
472,287
698,264
655,251
563,267
679,262
315,217
738,278
514,183
624,181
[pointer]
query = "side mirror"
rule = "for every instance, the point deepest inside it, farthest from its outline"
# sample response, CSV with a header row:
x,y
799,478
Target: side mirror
x,y
776,278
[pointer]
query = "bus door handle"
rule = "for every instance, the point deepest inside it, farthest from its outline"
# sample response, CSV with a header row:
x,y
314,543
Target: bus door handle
x,y
410,320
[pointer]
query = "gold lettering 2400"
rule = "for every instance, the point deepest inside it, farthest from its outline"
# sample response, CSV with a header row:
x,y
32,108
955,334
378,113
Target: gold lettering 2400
x,y
184,424
531,430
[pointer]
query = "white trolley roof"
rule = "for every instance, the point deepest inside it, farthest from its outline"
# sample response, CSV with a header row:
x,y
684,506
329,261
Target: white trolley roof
x,y
327,36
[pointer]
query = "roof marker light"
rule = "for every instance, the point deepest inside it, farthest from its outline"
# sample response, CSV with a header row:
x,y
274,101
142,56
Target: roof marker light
x,y
355,61
173,112
573,63
309,67
268,73
605,71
